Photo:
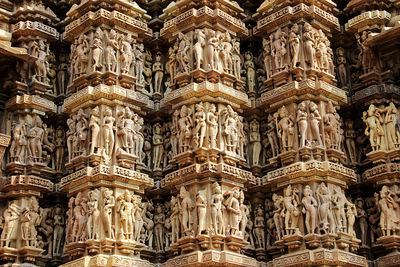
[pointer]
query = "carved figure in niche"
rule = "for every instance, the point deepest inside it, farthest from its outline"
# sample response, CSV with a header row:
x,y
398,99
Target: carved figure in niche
x,y
226,51
279,49
45,227
48,145
182,54
159,221
242,141
361,219
217,221
73,58
366,53
158,70
285,128
198,48
139,137
331,126
125,129
59,144
373,218
278,218
259,232
106,216
59,228
70,221
271,135
267,58
35,135
185,123
175,219
255,140
172,61
294,45
388,207
30,218
233,207
51,72
351,213
315,119
82,131
248,235
10,216
107,132
111,50
82,51
147,71
71,136
80,218
331,65
148,229
230,129
186,205
93,214
341,66
326,219
201,126
126,52
125,208
40,50
373,120
138,216
309,45
390,121
97,49
321,50
158,148
212,125
339,201
245,213
236,60
139,59
94,125
201,204
310,209
350,135
175,132
211,45
19,142
250,71
302,122
290,210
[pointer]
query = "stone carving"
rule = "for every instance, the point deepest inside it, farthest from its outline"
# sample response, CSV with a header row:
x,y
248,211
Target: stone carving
x,y
10,218
35,139
107,212
310,209
159,221
250,72
40,50
285,128
186,206
327,220
158,148
59,230
290,211
341,66
233,208
259,226
93,214
255,141
19,141
201,205
216,204
158,70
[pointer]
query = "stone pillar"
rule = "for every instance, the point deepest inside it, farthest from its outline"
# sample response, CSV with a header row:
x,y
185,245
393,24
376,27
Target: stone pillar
x,y
313,218
106,103
208,212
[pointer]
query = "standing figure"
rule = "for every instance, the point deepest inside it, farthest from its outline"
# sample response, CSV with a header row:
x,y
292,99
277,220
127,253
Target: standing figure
x,y
331,127
60,144
391,121
175,219
11,215
236,60
126,52
278,218
267,58
201,126
290,210
341,66
158,70
259,225
310,209
250,72
111,50
294,45
201,204
19,142
373,120
351,214
198,48
212,125
108,132
350,135
97,49
217,220
185,124
93,214
125,208
107,210
186,206
35,135
211,46
362,220
302,122
279,49
315,119
326,219
182,54
233,207
81,131
255,140
158,148
309,45
285,128
159,221
94,125
59,229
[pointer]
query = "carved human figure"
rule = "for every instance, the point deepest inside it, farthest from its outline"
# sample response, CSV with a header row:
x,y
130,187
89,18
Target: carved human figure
x,y
278,51
250,71
175,219
139,59
81,131
391,121
60,148
234,213
331,126
107,211
201,204
110,52
341,66
19,142
10,223
350,135
71,136
138,222
158,70
302,122
211,47
388,207
62,73
147,72
351,213
255,141
290,210
339,201
315,119
278,218
185,124
70,221
94,125
285,128
259,225
186,205
217,221
245,213
267,58
212,126
158,148
59,229
366,53
236,61
225,53
80,218
182,54
172,62
30,218
93,213
97,50
230,129
321,50
198,48
35,135
82,60
373,120
201,126
294,45
159,221
125,208
309,45
126,52
362,220
40,50
310,209
326,219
